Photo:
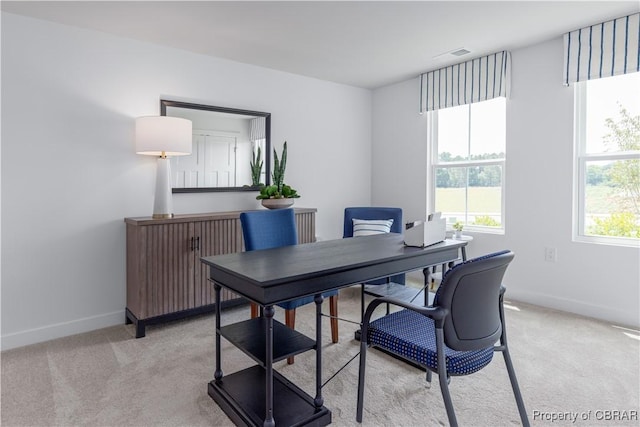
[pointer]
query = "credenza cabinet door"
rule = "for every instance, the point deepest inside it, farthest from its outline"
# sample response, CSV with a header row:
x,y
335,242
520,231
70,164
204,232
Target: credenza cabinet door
x,y
217,237
162,261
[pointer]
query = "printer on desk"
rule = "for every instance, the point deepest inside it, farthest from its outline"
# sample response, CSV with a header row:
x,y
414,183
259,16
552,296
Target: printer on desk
x,y
425,233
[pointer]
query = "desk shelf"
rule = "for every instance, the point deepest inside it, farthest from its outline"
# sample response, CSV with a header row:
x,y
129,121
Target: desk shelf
x,y
241,396
249,336
401,292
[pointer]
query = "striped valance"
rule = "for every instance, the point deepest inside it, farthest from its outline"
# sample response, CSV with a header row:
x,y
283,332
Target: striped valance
x,y
472,81
602,50
257,129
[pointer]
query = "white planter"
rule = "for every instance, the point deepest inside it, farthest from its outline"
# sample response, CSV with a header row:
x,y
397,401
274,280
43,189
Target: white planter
x,y
277,203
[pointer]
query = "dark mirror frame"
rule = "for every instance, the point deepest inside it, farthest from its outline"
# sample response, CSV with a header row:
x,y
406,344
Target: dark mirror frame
x,y
164,103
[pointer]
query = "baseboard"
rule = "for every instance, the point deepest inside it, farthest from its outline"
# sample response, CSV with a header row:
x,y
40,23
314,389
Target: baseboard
x,y
59,330
608,314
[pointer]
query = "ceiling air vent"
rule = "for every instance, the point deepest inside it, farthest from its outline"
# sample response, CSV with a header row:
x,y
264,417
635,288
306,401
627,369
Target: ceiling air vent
x,y
455,52
460,52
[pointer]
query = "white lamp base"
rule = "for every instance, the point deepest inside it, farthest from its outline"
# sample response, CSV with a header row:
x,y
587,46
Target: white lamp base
x,y
163,202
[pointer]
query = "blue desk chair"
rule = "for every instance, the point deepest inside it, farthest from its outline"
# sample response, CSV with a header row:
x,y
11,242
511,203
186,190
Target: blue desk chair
x,y
267,229
375,214
363,216
457,335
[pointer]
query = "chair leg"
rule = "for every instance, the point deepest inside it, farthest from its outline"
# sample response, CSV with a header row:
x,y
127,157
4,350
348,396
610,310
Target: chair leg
x,y
333,312
446,396
254,310
290,321
361,376
443,378
515,387
512,372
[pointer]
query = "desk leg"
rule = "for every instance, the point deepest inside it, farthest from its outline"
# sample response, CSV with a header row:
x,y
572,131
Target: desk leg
x,y
427,284
464,253
268,404
361,303
218,372
319,401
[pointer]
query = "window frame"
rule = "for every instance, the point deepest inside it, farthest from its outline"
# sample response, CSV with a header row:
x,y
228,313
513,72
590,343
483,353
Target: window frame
x,y
580,160
435,164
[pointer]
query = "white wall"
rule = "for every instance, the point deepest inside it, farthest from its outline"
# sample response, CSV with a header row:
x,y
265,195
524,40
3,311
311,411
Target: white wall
x,y
594,280
70,174
399,170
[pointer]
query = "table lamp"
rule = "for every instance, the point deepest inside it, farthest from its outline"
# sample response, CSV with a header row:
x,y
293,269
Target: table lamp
x,y
163,136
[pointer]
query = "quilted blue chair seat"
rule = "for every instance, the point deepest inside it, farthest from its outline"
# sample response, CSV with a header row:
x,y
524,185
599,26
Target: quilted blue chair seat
x,y
413,336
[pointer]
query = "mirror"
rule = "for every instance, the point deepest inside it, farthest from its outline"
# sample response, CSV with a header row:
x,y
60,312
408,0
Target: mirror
x,y
225,140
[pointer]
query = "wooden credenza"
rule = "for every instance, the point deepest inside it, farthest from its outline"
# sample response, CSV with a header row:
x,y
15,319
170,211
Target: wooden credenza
x,y
165,278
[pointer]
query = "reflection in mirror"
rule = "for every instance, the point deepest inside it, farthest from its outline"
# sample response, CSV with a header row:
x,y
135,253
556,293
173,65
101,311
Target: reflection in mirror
x,y
225,141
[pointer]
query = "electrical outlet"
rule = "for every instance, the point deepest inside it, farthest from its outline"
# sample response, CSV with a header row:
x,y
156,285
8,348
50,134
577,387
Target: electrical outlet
x,y
550,254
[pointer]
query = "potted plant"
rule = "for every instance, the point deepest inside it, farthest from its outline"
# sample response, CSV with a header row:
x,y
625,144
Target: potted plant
x,y
458,226
256,168
278,195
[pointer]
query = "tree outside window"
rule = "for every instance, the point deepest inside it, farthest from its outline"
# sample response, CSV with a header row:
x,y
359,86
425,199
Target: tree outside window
x,y
608,148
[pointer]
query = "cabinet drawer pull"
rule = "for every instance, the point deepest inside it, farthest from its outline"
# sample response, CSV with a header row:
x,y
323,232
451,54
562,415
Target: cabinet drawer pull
x,y
198,243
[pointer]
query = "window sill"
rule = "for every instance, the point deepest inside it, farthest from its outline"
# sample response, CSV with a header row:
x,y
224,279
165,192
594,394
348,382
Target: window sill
x,y
478,230
610,241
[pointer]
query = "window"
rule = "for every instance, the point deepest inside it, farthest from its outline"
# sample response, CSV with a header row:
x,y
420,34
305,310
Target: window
x,y
467,164
607,148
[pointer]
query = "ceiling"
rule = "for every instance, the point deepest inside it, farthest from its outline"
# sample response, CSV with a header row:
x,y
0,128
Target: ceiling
x,y
367,44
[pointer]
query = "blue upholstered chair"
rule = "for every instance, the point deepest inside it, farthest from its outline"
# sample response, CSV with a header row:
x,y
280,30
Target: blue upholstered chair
x,y
457,335
393,285
267,229
375,213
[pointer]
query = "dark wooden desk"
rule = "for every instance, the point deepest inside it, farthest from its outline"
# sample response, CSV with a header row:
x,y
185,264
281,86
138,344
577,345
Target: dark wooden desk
x,y
259,395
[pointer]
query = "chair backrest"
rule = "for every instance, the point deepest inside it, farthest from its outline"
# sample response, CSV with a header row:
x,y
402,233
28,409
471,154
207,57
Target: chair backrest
x,y
267,229
471,293
370,213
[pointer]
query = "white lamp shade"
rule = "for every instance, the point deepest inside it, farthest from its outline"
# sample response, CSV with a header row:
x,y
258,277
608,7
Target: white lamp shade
x,y
161,134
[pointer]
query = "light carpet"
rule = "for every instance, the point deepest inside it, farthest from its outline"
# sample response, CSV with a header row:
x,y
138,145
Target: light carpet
x,y
568,366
